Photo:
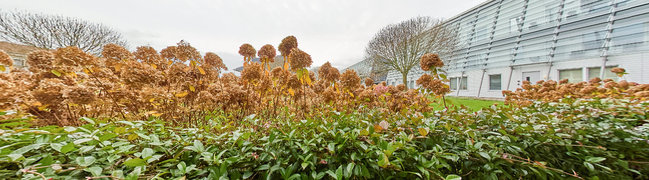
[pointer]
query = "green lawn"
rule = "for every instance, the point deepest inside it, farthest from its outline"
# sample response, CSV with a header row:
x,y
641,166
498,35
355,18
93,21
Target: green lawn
x,y
471,103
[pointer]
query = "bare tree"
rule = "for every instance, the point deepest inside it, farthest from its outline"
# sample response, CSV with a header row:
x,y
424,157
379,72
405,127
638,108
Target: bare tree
x,y
400,46
48,31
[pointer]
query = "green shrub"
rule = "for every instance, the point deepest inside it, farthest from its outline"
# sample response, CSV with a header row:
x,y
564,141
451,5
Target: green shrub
x,y
604,139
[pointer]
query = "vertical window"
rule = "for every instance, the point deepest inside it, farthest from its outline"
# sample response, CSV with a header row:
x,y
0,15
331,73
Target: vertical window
x,y
573,75
593,72
495,82
464,83
453,83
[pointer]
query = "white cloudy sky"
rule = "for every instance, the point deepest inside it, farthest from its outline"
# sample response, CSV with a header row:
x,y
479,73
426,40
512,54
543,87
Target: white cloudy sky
x,y
329,30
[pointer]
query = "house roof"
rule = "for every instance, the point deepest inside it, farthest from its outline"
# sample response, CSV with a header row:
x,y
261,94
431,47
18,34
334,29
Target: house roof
x,y
17,52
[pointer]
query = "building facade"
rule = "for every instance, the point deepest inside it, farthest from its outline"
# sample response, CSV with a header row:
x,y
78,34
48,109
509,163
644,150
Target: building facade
x,y
506,42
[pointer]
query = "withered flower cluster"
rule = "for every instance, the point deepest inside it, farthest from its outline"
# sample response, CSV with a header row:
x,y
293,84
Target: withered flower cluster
x,y
552,91
267,53
434,83
247,51
213,61
65,84
5,59
328,73
350,80
299,59
287,44
429,61
369,82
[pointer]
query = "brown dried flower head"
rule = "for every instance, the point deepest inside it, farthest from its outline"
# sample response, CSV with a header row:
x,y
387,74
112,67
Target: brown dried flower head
x,y
72,56
79,94
246,50
299,59
139,74
40,61
116,52
148,54
49,91
350,80
563,81
5,59
252,72
429,61
182,52
369,82
267,52
424,80
618,70
595,80
288,43
328,73
401,87
213,60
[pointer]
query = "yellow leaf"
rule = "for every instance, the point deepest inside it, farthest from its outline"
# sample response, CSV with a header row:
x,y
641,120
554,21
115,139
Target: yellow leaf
x,y
152,99
291,91
154,113
191,88
57,73
41,108
351,94
201,70
132,137
423,131
192,63
182,94
154,66
2,68
308,81
86,71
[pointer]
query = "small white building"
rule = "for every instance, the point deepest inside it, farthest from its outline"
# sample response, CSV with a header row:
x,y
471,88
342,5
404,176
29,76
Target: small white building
x,y
505,42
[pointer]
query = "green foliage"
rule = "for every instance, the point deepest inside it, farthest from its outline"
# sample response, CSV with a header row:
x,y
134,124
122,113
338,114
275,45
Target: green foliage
x,y
470,103
605,139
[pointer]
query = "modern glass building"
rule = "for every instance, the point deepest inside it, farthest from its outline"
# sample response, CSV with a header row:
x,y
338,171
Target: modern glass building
x,y
505,42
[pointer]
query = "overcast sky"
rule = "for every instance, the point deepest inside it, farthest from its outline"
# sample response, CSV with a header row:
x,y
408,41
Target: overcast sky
x,y
332,30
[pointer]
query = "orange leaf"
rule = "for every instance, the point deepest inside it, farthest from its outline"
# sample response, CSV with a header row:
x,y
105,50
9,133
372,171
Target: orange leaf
x,y
182,94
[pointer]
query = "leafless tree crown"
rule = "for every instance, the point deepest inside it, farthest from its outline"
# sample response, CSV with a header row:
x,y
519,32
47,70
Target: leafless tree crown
x,y
49,31
400,46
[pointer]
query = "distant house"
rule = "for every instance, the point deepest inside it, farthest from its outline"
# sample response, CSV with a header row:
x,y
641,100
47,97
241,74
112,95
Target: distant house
x,y
17,52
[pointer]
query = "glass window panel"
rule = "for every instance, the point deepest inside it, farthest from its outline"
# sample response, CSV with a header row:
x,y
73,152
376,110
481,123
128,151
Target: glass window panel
x,y
593,72
573,75
495,82
453,83
464,82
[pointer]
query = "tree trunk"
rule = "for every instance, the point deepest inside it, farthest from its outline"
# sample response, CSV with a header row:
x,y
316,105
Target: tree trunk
x,y
405,79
